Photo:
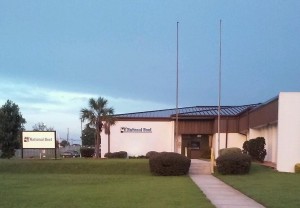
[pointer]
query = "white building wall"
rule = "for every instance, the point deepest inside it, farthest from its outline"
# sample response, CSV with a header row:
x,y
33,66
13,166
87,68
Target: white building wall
x,y
269,132
236,140
288,131
215,143
178,143
161,138
233,140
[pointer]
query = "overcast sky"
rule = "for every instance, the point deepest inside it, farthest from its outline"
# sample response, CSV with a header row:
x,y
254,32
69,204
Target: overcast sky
x,y
55,55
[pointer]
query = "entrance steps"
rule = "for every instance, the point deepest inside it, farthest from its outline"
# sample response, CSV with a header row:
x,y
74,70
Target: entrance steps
x,y
199,167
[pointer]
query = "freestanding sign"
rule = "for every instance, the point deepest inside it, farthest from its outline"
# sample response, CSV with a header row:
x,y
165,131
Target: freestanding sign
x,y
38,140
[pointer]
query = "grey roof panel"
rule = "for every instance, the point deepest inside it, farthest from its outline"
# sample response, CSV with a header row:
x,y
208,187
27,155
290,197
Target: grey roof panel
x,y
190,111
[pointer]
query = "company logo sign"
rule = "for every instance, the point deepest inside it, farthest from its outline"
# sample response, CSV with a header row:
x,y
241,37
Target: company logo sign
x,y
38,139
135,130
30,139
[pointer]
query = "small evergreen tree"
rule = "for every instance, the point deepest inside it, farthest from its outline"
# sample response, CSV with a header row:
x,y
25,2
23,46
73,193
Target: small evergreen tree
x,y
40,126
11,125
88,136
64,143
255,148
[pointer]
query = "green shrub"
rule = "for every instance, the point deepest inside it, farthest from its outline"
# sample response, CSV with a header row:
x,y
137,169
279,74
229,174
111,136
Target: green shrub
x,y
151,154
138,157
297,168
169,164
87,152
108,155
231,150
235,163
120,154
255,148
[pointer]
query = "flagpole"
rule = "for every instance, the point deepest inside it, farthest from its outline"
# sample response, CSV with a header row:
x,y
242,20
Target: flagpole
x,y
177,79
220,74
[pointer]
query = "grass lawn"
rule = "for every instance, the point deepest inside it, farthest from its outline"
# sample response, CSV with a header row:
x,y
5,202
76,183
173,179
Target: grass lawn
x,y
92,183
267,186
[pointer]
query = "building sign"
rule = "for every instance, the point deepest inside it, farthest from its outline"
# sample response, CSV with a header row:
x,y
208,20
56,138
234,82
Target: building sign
x,y
135,130
38,139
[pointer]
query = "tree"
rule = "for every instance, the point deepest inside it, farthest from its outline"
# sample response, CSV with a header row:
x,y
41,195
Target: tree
x,y
256,148
40,126
88,136
64,143
11,125
110,121
97,115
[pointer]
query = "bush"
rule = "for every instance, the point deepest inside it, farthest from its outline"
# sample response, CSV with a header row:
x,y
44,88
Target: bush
x,y
87,152
151,154
169,164
235,163
231,150
297,168
255,148
120,154
138,157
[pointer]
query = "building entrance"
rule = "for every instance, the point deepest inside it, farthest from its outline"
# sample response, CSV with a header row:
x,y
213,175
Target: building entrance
x,y
196,146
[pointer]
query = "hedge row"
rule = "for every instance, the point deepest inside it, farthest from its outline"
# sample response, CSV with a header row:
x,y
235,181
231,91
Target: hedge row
x,y
120,154
169,164
151,154
138,157
297,168
233,163
87,152
230,150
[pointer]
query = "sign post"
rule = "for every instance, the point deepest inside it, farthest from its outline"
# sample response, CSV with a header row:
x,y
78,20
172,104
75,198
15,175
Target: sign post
x,y
39,140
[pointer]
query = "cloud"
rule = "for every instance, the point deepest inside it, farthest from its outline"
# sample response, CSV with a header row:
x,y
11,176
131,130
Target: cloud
x,y
61,109
124,105
36,99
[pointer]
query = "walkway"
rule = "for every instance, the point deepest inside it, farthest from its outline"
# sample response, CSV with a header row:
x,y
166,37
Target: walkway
x,y
220,194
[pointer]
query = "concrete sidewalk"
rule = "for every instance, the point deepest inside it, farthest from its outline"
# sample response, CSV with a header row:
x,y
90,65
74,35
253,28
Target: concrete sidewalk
x,y
220,194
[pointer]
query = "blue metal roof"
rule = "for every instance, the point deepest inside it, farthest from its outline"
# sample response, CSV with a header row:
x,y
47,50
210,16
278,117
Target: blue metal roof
x,y
195,111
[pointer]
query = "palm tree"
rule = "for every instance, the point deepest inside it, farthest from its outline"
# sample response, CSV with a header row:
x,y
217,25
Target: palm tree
x,y
97,115
111,121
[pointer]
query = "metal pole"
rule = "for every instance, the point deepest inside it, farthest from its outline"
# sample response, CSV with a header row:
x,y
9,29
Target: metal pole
x,y
55,145
81,129
22,153
219,99
177,73
68,135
